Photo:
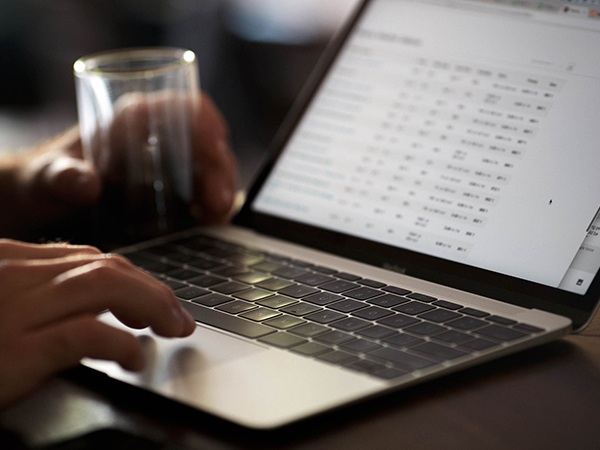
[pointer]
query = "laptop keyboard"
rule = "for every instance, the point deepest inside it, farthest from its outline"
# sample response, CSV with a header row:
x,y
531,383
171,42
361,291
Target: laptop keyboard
x,y
364,325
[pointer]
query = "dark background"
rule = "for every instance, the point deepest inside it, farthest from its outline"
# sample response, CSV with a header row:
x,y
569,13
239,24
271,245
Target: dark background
x,y
254,55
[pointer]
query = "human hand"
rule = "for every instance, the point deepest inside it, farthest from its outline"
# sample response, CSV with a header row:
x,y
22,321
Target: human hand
x,y
52,183
49,297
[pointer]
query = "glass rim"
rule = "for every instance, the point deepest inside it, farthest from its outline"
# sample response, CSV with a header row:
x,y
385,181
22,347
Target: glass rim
x,y
90,64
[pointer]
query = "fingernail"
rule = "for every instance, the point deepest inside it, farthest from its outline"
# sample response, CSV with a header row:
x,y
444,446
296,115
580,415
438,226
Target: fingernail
x,y
184,320
227,195
223,148
190,323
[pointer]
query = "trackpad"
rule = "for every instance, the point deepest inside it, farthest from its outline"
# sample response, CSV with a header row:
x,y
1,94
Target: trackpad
x,y
171,359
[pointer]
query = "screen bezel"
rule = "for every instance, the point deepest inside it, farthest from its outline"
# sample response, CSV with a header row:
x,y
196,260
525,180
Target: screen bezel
x,y
579,308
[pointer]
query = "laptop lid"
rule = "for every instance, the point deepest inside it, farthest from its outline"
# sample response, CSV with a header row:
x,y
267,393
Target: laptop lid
x,y
453,141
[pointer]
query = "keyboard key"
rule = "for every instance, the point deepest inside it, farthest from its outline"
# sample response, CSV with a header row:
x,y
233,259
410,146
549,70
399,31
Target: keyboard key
x,y
403,360
364,293
447,305
453,337
338,357
478,344
425,329
284,322
276,301
398,321
212,300
190,292
230,271
236,306
396,290
324,270
218,252
196,244
247,258
226,322
413,308
260,314
229,287
323,298
310,349
299,263
372,283
297,291
274,284
314,279
347,276
278,258
268,266
207,280
501,320
350,324
335,338
373,313
252,277
377,332
172,283
364,365
339,286
388,300
183,258
160,250
151,264
309,330
283,340
182,274
403,340
324,316
300,309
347,306
525,328
466,323
360,346
500,333
474,312
439,316
421,297
204,264
388,373
253,295
290,272
439,351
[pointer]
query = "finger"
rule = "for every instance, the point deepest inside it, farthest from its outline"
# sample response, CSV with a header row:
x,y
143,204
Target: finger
x,y
72,181
66,343
30,361
108,284
70,140
215,169
216,183
28,274
11,249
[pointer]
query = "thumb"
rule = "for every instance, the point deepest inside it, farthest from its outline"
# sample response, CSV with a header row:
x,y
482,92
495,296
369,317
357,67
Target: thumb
x,y
73,181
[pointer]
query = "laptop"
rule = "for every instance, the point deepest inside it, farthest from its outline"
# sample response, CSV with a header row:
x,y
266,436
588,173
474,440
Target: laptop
x,y
431,203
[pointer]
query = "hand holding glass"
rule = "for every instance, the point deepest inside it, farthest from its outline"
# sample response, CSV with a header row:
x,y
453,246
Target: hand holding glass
x,y
136,110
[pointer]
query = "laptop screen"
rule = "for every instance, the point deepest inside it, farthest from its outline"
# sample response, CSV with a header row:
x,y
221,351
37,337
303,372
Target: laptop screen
x,y
463,130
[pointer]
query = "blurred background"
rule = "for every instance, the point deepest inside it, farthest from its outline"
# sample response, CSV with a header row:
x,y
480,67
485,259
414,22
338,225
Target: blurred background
x,y
254,56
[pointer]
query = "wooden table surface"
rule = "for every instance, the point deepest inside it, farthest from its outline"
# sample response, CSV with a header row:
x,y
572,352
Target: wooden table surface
x,y
543,398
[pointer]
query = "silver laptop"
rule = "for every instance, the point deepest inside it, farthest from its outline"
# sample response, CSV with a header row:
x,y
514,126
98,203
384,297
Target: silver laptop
x,y
430,204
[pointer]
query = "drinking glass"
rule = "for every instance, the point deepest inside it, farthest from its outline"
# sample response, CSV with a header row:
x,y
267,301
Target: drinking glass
x,y
136,110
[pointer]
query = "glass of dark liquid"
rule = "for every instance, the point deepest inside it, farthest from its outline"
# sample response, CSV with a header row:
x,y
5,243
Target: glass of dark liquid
x,y
136,110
